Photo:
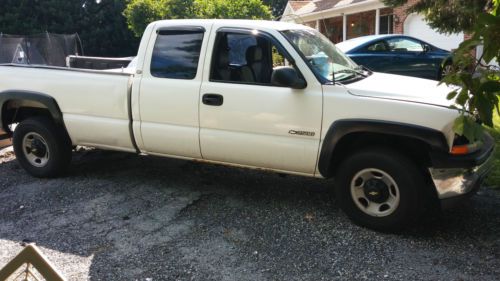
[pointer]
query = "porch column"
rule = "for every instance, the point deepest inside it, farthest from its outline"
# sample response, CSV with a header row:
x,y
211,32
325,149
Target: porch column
x,y
317,25
377,21
344,27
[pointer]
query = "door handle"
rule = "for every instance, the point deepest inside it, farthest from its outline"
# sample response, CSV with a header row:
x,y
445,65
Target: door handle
x,y
212,99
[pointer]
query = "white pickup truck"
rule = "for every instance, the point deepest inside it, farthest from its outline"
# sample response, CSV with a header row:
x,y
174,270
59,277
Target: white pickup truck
x,y
256,94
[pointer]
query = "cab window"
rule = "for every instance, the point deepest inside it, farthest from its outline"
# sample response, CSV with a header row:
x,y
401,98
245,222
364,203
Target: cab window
x,y
176,54
245,58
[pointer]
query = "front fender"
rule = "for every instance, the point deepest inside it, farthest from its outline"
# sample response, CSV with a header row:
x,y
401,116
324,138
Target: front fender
x,y
341,128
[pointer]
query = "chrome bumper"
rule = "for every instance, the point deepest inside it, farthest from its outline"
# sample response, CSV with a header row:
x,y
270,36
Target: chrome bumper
x,y
459,181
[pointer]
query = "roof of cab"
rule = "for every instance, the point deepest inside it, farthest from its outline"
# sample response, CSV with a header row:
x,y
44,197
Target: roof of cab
x,y
257,24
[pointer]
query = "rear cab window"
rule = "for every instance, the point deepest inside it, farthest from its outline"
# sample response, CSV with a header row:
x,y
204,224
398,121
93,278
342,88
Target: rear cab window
x,y
176,53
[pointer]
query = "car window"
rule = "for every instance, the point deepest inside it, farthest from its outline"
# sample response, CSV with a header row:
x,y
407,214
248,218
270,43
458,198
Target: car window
x,y
245,58
404,45
239,44
377,47
279,59
176,54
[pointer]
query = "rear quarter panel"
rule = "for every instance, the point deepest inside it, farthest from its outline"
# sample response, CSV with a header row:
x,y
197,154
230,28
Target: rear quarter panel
x,y
93,104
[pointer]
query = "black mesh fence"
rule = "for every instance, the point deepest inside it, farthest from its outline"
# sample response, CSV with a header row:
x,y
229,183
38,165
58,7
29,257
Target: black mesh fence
x,y
44,49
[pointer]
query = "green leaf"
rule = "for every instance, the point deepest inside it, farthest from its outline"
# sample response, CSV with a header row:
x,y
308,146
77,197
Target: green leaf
x,y
484,109
458,126
486,19
490,87
452,95
472,131
466,126
462,97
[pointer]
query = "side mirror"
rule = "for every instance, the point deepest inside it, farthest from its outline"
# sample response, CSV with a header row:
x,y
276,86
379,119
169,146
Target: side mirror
x,y
286,76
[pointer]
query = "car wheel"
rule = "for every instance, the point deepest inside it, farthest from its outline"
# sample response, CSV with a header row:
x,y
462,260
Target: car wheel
x,y
445,70
380,188
42,148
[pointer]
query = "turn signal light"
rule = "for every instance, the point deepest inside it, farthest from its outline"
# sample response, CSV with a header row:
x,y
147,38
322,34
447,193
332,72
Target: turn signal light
x,y
460,149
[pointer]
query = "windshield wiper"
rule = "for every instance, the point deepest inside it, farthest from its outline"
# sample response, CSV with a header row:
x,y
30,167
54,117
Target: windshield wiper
x,y
351,71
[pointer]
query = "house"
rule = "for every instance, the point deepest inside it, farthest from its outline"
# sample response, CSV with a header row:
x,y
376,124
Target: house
x,y
341,20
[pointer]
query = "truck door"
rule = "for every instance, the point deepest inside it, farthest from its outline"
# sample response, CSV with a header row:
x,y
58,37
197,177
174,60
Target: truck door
x,y
246,120
169,91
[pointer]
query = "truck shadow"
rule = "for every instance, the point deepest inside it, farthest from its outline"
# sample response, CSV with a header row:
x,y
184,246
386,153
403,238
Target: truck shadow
x,y
125,217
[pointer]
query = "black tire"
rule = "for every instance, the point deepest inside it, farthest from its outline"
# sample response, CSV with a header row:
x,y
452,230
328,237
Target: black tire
x,y
410,188
50,138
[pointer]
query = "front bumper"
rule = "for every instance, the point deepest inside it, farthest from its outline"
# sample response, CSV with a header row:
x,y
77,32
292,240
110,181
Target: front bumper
x,y
457,176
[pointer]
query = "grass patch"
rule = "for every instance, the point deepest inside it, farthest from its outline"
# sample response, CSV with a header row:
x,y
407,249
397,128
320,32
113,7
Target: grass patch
x,y
493,179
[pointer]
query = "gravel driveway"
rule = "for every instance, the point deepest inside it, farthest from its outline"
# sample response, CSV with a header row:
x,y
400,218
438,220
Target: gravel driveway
x,y
119,216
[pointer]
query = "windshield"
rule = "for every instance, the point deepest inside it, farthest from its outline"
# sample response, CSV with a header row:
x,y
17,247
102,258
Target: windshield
x,y
322,55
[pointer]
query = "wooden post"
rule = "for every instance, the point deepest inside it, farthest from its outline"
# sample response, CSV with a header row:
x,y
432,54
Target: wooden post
x,y
377,21
32,256
344,27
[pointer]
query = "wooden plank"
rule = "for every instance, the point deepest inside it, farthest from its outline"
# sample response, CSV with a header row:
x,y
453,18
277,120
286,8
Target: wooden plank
x,y
5,139
32,255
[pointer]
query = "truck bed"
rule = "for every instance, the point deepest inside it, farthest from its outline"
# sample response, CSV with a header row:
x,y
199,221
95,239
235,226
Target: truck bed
x,y
94,104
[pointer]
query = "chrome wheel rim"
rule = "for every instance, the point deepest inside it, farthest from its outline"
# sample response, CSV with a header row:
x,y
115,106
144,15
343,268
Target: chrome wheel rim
x,y
35,149
375,192
446,70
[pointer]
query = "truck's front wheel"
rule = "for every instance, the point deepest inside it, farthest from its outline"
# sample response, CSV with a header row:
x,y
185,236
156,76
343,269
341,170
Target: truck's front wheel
x,y
380,188
42,148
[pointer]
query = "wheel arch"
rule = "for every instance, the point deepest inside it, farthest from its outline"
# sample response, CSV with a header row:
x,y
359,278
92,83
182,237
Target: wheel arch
x,y
347,135
35,103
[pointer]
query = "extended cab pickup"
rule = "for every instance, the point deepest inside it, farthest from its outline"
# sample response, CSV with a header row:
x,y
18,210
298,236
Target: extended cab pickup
x,y
255,94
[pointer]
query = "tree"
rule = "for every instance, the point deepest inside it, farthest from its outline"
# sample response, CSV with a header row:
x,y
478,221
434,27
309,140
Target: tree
x,y
446,16
101,26
31,16
140,13
277,7
479,81
103,29
235,9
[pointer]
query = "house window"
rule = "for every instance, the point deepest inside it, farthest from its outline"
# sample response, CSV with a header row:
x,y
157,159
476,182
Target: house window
x,y
361,24
332,28
386,21
386,24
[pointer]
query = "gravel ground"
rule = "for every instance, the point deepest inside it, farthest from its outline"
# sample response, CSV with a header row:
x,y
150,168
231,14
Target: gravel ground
x,y
119,216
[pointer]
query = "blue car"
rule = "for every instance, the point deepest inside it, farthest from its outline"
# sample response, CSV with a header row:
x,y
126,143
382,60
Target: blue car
x,y
398,54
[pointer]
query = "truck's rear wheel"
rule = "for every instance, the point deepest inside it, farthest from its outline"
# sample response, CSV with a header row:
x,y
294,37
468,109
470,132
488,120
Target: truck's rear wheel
x,y
380,188
42,148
